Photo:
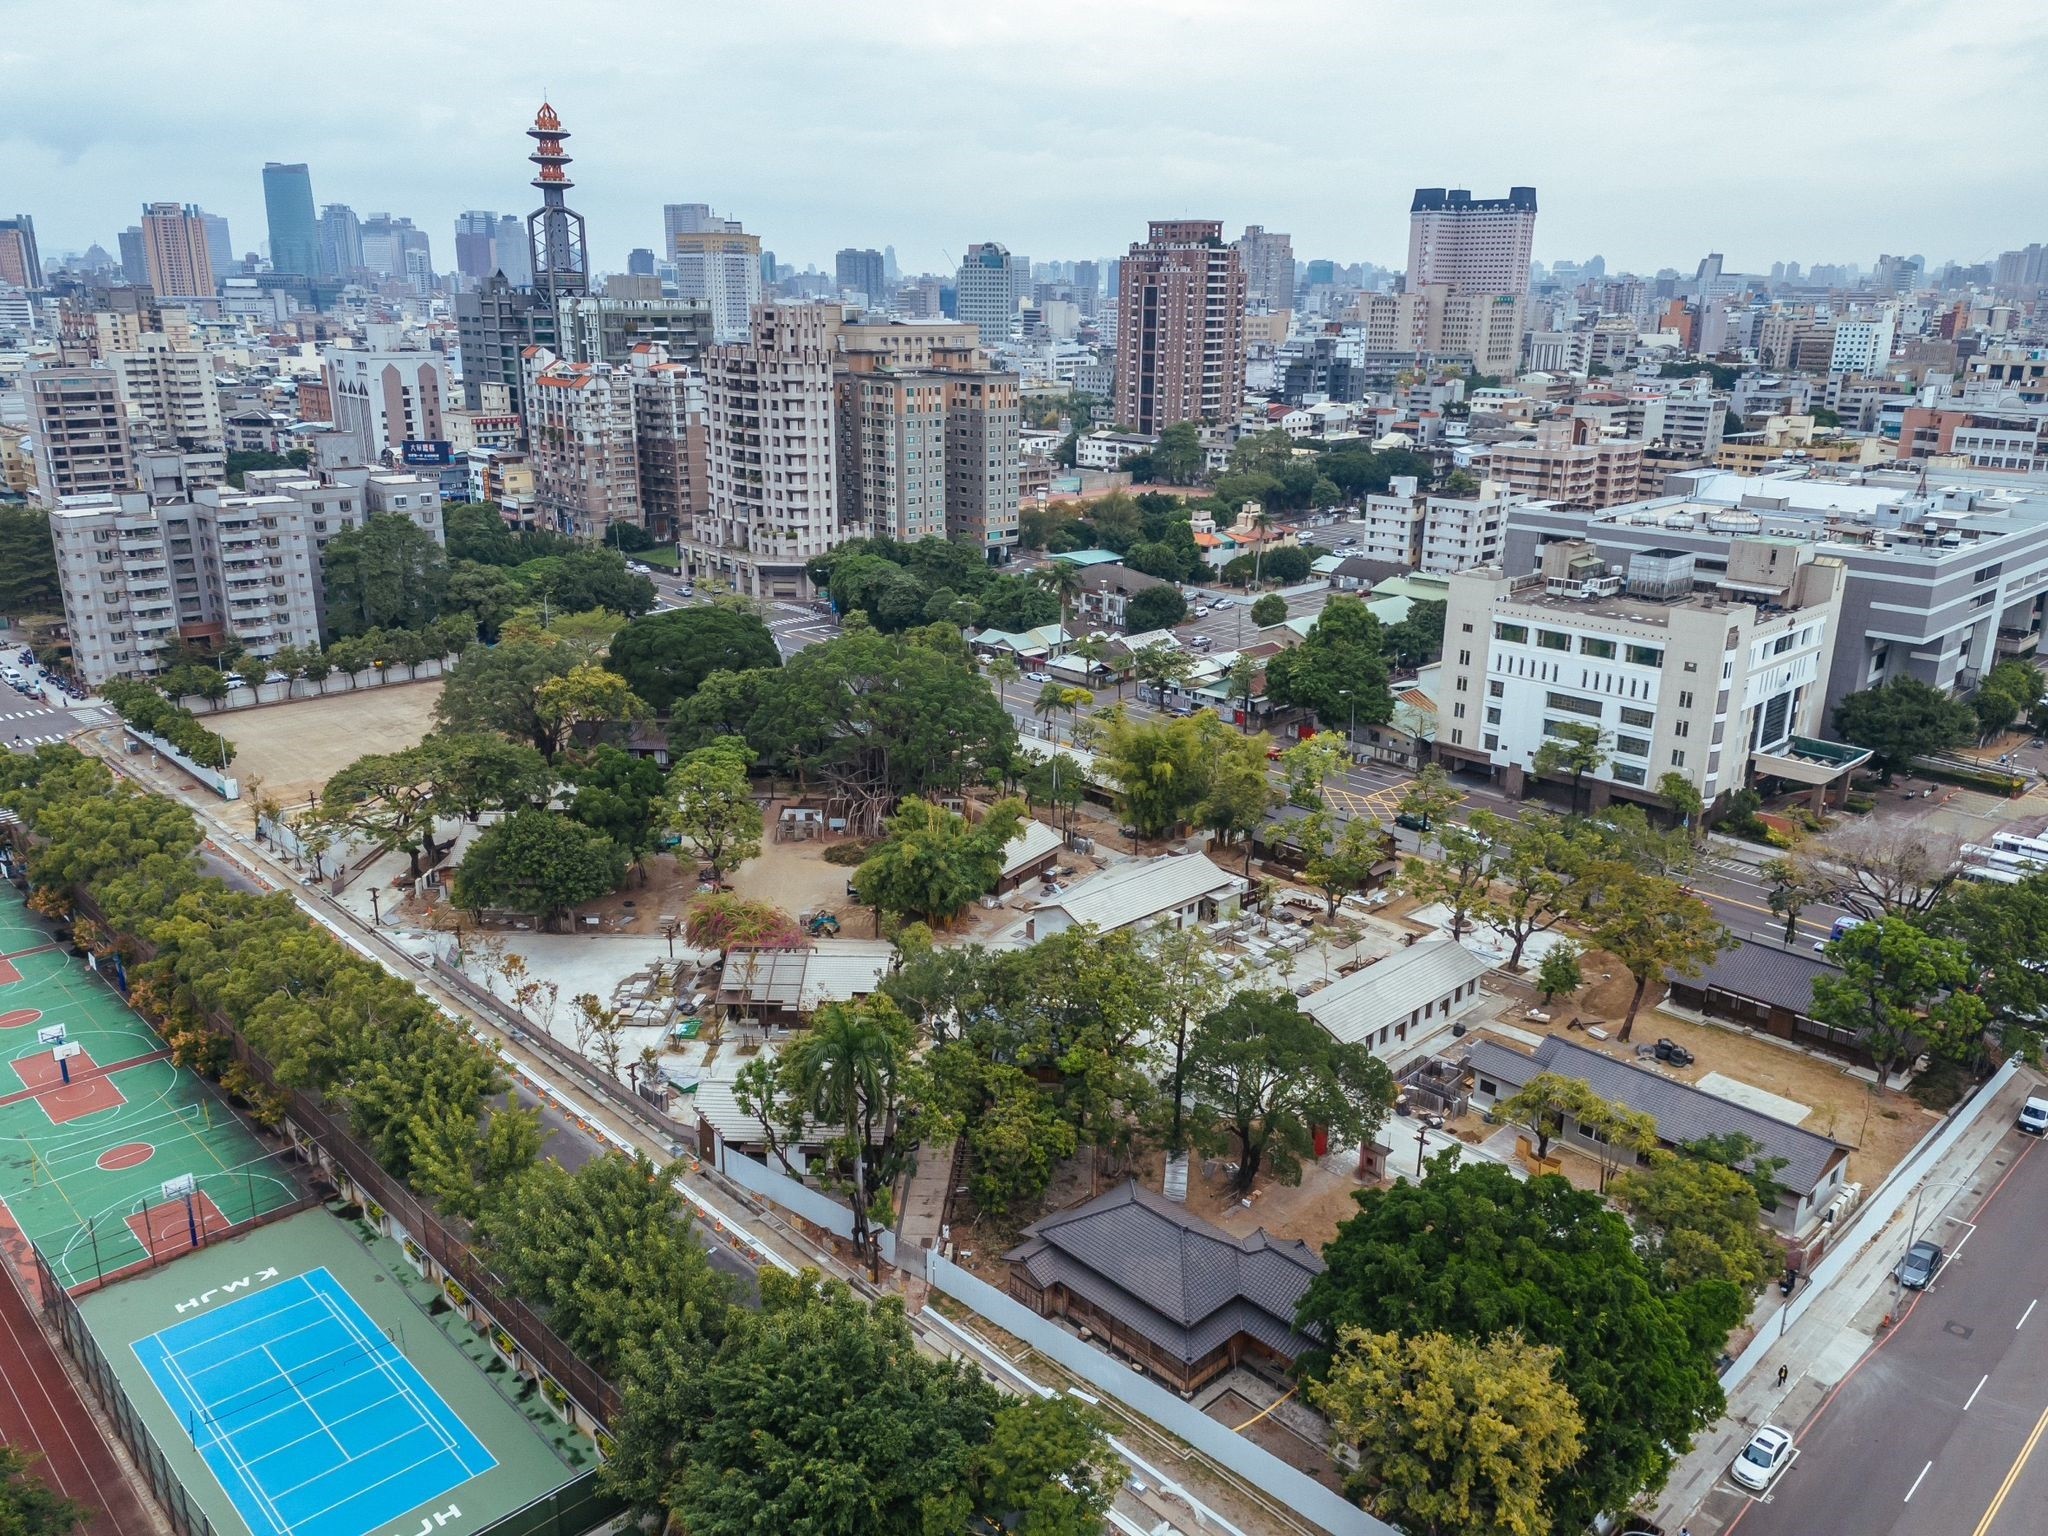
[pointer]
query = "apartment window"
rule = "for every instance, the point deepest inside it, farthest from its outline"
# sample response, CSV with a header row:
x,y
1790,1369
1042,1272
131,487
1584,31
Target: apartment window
x,y
1685,697
1692,666
1988,572
1464,658
1632,746
1572,704
1588,646
1492,742
1457,738
1646,655
1678,759
1497,689
1681,728
1628,773
1493,716
1640,718
1516,633
1457,711
1467,628
1553,640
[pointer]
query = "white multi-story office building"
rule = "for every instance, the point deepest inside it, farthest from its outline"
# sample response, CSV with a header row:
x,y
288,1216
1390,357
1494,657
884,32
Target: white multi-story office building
x,y
719,263
773,492
987,289
1864,345
385,399
1433,532
1711,676
169,391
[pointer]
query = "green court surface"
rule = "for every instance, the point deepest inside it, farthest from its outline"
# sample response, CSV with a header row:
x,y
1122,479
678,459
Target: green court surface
x,y
295,1385
84,1162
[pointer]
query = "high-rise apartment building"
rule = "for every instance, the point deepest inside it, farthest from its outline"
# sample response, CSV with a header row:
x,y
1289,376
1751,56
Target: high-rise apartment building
x,y
341,241
220,245
671,430
1472,245
1180,328
134,256
81,433
288,208
597,328
722,267
20,264
1433,320
394,247
1571,465
861,272
174,245
168,392
579,423
385,399
691,219
770,454
990,285
1087,287
476,243
1268,258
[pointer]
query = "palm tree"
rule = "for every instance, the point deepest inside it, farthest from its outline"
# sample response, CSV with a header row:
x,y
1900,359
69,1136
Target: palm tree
x,y
1063,580
1243,673
1054,697
1004,669
845,1072
1163,666
1092,649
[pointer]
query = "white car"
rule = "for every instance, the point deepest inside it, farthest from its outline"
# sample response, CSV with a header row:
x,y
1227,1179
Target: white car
x,y
2034,1117
1769,1452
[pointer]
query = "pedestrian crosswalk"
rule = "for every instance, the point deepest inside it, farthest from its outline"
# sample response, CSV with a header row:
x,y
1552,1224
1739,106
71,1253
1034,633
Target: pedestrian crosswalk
x,y
26,742
30,714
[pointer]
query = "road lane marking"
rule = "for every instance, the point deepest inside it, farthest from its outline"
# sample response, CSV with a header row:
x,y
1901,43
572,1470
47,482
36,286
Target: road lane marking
x,y
1975,1390
2013,1476
2016,1327
1916,1484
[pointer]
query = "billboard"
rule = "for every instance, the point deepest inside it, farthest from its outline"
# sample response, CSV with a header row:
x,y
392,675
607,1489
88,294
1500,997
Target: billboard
x,y
425,453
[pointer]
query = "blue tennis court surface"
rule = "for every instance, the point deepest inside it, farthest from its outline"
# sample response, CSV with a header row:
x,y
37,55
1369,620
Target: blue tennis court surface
x,y
315,1423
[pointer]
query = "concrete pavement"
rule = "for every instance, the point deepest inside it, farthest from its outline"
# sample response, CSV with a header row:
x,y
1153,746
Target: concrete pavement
x,y
1990,1196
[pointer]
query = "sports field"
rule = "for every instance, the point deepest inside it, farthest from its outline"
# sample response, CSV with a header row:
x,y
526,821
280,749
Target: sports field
x,y
297,1391
110,1156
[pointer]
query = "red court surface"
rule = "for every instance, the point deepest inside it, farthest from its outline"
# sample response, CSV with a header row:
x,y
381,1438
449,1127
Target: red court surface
x,y
167,1228
89,1091
130,1154
41,1412
8,974
21,1018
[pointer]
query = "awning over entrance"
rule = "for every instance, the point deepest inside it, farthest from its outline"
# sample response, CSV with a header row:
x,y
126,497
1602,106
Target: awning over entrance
x,y
1804,760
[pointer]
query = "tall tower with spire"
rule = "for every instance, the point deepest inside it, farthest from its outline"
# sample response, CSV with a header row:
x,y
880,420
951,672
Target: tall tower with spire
x,y
554,231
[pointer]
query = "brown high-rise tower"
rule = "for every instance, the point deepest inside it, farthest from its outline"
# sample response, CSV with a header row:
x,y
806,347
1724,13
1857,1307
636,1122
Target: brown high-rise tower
x,y
1180,346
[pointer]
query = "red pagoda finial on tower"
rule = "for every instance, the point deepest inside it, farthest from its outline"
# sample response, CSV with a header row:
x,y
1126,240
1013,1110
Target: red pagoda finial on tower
x,y
548,133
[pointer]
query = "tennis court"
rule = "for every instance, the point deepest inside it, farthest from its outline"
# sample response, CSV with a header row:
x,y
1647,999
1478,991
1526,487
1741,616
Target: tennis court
x,y
295,1390
110,1156
311,1419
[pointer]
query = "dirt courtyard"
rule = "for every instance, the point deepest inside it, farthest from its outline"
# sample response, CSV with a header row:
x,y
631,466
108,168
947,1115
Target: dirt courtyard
x,y
296,748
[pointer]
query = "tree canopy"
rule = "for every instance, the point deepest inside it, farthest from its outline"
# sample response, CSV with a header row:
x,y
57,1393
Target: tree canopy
x,y
1902,990
28,564
1903,719
387,573
534,861
1339,671
664,656
934,863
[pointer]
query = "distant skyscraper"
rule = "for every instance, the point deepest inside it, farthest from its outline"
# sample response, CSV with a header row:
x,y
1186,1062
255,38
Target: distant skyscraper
x,y
341,241
555,236
1087,286
134,258
890,271
220,245
720,264
20,265
640,262
990,284
689,219
1474,245
514,259
862,272
1268,259
1180,328
174,244
476,243
288,208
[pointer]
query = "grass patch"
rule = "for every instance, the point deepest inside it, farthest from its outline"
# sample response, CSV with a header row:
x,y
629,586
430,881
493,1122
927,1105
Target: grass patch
x,y
663,555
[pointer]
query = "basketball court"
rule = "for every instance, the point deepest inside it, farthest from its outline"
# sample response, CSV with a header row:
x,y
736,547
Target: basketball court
x,y
110,1156
296,1390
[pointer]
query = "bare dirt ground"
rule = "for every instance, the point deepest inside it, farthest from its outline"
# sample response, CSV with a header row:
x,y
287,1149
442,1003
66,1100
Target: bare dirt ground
x,y
296,748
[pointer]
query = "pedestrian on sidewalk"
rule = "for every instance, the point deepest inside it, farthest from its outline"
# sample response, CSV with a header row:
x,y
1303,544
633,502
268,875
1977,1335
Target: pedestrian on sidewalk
x,y
1783,1372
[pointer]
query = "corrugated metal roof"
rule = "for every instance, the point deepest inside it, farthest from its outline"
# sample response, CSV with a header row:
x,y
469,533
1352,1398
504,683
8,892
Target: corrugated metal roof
x,y
1033,842
1683,1113
1354,1008
831,971
1131,893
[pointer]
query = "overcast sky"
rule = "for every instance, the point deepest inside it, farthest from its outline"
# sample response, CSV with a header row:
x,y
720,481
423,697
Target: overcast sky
x,y
1653,132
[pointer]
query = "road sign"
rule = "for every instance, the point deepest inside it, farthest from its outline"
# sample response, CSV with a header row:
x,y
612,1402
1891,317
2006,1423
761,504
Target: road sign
x,y
51,1034
177,1189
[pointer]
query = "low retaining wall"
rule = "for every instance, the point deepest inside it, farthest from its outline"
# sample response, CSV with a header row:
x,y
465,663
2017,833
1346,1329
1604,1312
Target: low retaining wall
x,y
251,695
212,778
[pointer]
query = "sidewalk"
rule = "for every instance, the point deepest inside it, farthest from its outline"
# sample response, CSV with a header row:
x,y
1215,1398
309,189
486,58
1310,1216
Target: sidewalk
x,y
1825,1343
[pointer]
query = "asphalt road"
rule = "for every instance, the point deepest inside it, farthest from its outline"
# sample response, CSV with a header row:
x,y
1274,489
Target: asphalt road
x,y
1937,1430
26,723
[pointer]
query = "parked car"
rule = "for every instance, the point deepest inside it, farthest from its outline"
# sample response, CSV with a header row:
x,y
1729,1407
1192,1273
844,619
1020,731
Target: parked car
x,y
2034,1117
1037,677
1673,1052
1412,823
1769,1452
1921,1264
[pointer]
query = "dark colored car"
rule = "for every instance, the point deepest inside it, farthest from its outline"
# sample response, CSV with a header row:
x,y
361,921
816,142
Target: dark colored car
x,y
1412,823
1922,1263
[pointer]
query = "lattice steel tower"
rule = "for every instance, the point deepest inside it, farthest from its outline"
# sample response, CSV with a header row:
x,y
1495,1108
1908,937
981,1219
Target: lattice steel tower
x,y
554,231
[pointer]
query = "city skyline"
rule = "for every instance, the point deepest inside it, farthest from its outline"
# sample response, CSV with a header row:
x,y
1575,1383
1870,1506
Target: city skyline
x,y
1073,167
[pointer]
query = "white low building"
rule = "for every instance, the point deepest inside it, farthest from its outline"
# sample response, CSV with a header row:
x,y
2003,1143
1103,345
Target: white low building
x,y
1177,889
1396,1005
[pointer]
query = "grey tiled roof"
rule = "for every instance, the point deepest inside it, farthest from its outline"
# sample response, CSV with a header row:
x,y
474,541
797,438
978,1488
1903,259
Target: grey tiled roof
x,y
1683,1113
1169,1276
1355,1007
1782,978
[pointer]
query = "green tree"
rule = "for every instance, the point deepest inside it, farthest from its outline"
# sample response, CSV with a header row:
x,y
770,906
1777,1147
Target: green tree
x,y
1269,609
1161,666
621,796
1339,671
1418,638
1004,670
1558,971
1238,791
537,862
1458,877
1698,1221
28,564
1575,750
1154,608
1016,1135
488,594
1161,768
1310,764
1902,991
1536,864
1651,925
1269,1076
711,805
1795,884
388,573
1475,1252
1192,982
933,863
1545,1103
1178,456
1683,796
1994,923
1339,866
28,1507
1903,719
1063,580
1454,1437
497,688
1429,798
1047,1470
584,698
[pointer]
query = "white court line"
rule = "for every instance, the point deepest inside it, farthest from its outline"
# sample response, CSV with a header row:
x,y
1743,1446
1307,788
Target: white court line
x,y
286,1377
2016,1327
347,1460
358,1376
402,1388
1976,1389
252,1322
225,1444
415,1466
302,1439
1916,1485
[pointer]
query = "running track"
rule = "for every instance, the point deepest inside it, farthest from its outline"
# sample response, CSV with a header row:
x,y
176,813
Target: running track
x,y
41,1411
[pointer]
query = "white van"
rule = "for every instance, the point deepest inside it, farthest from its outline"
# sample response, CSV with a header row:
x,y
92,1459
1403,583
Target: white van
x,y
2034,1117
